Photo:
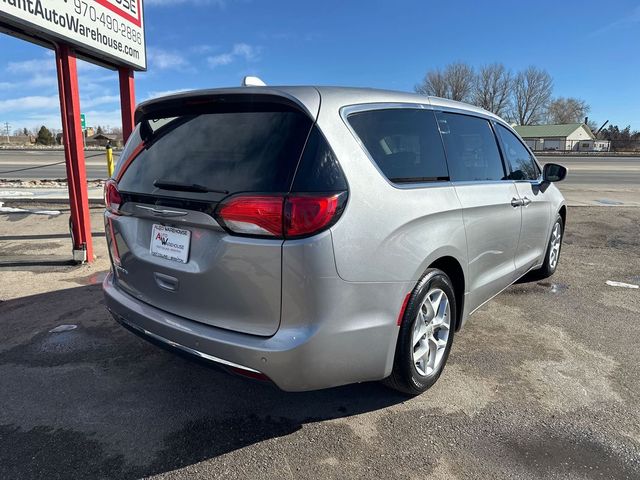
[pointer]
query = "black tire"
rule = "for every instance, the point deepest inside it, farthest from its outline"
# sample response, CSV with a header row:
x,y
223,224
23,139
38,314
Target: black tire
x,y
547,269
405,376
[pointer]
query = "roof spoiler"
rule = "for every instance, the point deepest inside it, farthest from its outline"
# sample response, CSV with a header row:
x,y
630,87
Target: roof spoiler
x,y
209,101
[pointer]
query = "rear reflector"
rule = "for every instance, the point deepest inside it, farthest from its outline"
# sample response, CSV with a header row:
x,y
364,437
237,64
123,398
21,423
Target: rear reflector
x,y
403,308
280,216
250,374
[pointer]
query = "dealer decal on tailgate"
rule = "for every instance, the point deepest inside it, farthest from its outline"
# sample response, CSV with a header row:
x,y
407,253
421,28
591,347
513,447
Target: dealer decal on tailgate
x,y
170,243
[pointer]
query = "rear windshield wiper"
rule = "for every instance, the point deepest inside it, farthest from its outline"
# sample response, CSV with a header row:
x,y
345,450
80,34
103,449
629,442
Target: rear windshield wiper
x,y
185,187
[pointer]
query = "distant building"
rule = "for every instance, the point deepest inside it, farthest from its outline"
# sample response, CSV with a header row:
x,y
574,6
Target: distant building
x,y
575,137
101,140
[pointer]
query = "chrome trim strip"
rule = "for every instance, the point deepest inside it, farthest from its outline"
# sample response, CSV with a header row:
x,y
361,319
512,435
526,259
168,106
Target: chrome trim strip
x,y
162,212
185,349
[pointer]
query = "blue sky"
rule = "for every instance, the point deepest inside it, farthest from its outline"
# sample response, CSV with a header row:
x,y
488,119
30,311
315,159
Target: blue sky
x,y
590,48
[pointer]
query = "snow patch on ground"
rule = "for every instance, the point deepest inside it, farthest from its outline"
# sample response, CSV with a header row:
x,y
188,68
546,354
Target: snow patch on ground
x,y
4,209
621,284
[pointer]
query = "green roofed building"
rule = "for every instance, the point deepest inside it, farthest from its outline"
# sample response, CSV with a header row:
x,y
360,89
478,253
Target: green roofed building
x,y
566,137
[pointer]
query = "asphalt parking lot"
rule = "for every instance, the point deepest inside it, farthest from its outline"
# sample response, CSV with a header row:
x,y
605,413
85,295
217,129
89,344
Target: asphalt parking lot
x,y
543,382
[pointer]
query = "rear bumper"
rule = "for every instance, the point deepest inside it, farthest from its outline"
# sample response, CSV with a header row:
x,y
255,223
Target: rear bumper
x,y
325,354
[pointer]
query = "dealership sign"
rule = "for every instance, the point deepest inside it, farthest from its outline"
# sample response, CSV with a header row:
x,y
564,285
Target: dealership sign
x,y
111,31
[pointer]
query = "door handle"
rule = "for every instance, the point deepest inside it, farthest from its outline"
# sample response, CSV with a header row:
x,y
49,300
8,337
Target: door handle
x,y
516,202
526,201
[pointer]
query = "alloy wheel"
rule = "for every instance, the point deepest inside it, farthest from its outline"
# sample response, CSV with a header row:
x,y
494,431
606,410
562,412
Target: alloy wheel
x,y
431,332
556,240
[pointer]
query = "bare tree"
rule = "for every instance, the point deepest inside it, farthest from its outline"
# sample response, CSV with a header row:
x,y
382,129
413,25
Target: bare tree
x,y
461,78
455,82
434,84
567,110
492,89
532,92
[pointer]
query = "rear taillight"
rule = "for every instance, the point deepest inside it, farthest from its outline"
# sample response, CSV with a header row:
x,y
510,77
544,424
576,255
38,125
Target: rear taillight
x,y
306,215
280,216
112,198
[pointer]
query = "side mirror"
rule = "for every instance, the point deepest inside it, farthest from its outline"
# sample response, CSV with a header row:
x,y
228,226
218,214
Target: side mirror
x,y
552,172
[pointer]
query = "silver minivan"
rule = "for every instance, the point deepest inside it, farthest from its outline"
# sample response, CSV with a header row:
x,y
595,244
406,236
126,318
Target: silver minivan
x,y
319,236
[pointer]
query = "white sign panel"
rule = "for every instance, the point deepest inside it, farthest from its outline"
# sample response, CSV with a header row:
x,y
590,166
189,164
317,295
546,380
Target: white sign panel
x,y
170,243
111,30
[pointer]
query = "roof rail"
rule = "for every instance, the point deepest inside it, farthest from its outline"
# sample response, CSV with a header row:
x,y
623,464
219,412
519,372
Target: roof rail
x,y
250,81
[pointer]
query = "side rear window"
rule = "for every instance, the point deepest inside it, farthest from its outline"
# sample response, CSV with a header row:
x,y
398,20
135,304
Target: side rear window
x,y
523,167
234,151
472,151
319,170
404,143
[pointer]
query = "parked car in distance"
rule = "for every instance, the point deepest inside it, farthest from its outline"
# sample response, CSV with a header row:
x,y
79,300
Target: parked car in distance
x,y
320,236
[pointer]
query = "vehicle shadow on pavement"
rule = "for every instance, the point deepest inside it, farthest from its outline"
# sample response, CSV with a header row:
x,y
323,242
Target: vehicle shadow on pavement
x,y
97,401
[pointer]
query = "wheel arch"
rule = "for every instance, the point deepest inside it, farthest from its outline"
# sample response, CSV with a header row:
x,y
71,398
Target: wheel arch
x,y
452,267
563,214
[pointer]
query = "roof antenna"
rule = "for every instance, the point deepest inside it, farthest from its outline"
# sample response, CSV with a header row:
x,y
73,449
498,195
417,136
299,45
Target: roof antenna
x,y
250,81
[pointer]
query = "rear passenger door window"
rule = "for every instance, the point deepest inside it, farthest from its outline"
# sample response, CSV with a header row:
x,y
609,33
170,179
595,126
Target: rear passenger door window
x,y
472,151
521,163
404,143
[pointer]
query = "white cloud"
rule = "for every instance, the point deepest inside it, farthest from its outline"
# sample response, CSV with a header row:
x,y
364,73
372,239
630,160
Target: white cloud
x,y
32,66
222,59
166,60
84,67
39,80
92,102
200,49
239,50
30,103
627,21
111,118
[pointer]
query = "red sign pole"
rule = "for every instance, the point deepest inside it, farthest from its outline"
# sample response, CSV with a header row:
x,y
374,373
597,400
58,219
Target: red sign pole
x,y
127,101
74,153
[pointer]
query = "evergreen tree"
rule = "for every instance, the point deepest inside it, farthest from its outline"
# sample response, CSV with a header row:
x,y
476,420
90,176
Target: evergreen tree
x,y
45,137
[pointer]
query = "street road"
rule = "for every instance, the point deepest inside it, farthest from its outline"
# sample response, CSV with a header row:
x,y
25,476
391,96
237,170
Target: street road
x,y
582,170
95,161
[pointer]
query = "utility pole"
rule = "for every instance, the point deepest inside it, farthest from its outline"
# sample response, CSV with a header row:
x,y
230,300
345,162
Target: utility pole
x,y
6,130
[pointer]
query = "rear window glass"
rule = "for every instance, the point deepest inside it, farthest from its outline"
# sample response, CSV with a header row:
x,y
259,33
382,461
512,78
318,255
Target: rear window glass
x,y
404,143
472,151
233,151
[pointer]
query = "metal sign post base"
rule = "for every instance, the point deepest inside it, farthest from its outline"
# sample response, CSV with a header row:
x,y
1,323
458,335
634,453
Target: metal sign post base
x,y
74,154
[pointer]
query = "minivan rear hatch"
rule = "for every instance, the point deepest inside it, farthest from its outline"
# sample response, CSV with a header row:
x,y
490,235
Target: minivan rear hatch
x,y
187,154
